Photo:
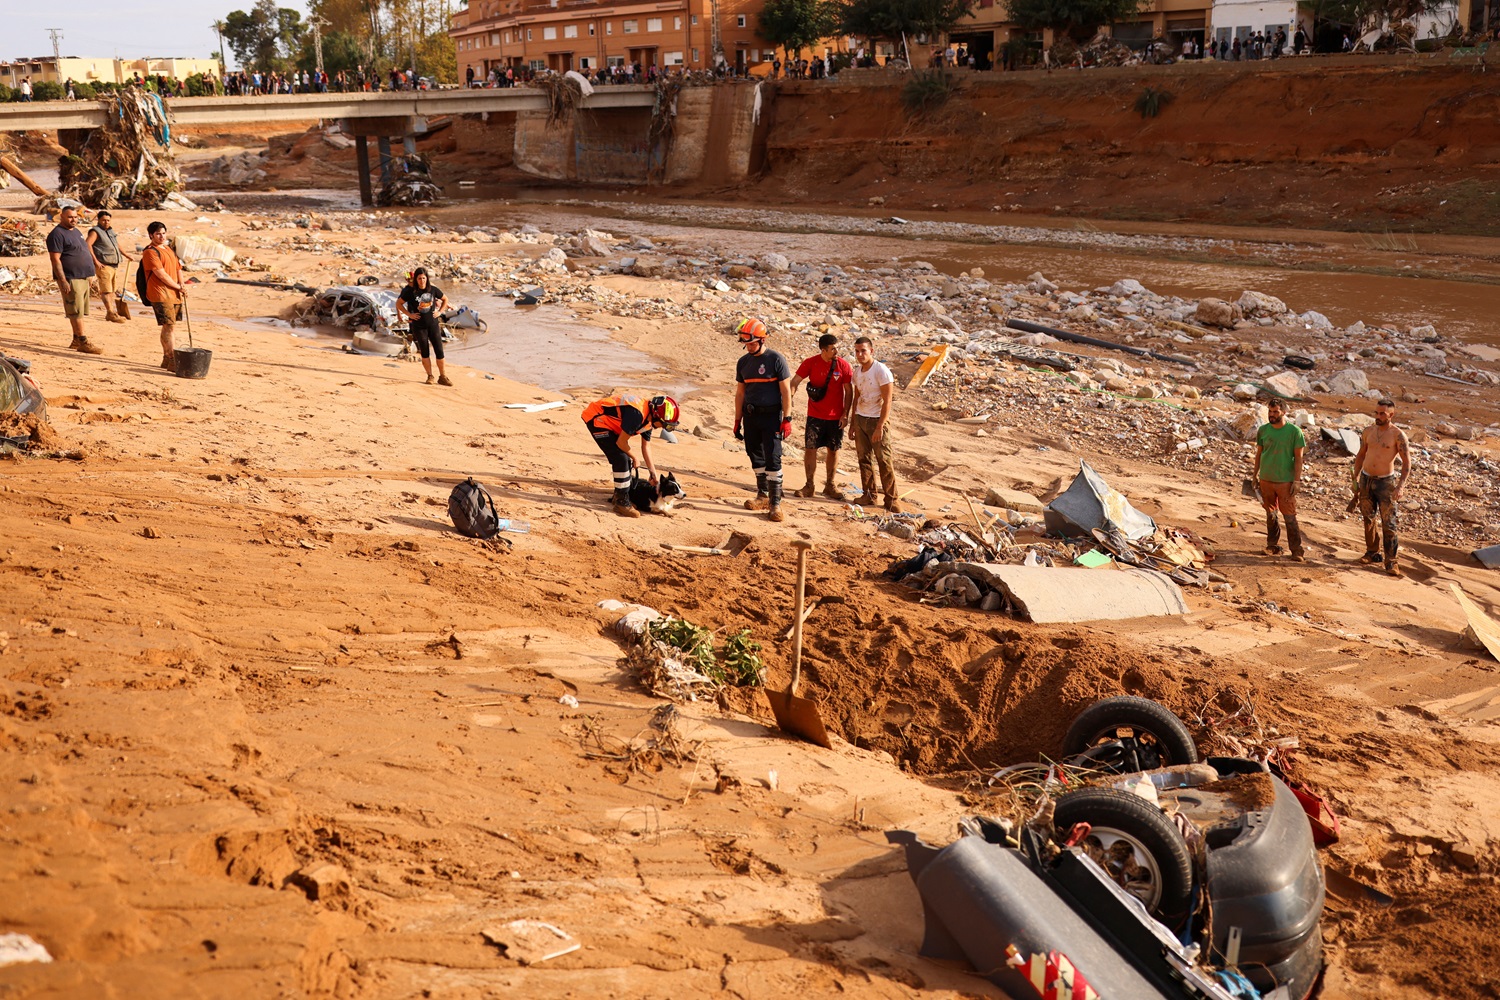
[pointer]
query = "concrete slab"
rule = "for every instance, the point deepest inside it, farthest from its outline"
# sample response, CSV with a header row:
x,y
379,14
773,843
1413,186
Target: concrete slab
x,y
1046,594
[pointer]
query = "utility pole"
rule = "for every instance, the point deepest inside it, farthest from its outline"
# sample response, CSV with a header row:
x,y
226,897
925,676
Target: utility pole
x,y
317,27
56,34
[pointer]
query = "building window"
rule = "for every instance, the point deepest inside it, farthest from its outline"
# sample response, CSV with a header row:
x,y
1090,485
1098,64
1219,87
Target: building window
x,y
695,56
653,24
630,27
570,31
549,34
537,65
528,34
755,55
591,29
739,21
609,27
672,59
677,26
494,38
695,21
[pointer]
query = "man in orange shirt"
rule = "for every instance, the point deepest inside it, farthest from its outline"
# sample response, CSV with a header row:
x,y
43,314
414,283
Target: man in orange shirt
x,y
164,287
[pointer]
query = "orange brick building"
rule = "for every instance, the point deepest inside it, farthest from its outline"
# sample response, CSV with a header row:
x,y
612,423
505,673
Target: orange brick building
x,y
597,34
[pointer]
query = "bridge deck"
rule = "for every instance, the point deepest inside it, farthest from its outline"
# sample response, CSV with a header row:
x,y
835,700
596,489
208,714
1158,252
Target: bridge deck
x,y
18,117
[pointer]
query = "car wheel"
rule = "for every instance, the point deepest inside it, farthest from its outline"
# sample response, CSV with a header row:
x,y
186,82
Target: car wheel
x,y
1128,734
1136,844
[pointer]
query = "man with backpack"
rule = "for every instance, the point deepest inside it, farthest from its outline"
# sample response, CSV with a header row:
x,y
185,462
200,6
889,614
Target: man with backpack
x,y
165,289
830,399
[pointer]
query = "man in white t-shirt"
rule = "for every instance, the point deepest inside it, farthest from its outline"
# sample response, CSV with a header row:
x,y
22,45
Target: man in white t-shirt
x,y
873,385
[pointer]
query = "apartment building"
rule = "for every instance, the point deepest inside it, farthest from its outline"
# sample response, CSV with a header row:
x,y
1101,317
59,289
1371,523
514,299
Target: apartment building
x,y
989,27
46,68
597,34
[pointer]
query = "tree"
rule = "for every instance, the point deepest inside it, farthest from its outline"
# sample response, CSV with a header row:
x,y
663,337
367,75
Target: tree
x,y
898,20
263,36
1078,19
795,25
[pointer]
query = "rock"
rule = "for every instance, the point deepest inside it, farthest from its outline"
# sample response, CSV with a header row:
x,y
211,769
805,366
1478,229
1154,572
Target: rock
x,y
321,881
1305,419
647,268
1147,391
900,529
1247,424
1349,382
1465,855
1261,304
998,496
739,271
593,246
991,601
1288,383
1356,328
1118,383
1245,392
1189,392
1127,286
1315,320
775,263
636,243
1418,332
555,255
1039,284
1217,312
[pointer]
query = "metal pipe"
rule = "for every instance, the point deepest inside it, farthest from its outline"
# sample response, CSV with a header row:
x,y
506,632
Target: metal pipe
x,y
1078,338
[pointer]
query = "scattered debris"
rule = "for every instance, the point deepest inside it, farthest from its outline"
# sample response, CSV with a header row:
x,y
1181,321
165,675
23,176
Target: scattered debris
x,y
531,942
411,183
21,237
1090,503
1482,630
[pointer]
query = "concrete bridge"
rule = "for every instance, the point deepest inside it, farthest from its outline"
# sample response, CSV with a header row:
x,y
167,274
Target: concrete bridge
x,y
382,114
187,111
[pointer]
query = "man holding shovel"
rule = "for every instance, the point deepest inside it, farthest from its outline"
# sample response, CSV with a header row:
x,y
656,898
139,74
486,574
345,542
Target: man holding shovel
x,y
1277,466
110,264
164,287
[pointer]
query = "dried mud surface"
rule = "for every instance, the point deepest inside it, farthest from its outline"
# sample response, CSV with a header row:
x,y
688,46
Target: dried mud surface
x,y
269,726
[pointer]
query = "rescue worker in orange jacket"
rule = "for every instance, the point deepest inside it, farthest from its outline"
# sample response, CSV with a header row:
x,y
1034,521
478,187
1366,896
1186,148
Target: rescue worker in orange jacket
x,y
613,421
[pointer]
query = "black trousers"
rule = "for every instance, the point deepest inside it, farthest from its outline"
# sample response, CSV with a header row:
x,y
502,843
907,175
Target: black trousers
x,y
424,331
761,426
620,466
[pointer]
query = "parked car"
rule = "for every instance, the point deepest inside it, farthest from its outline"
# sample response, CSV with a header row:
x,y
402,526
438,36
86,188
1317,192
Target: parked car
x,y
1182,880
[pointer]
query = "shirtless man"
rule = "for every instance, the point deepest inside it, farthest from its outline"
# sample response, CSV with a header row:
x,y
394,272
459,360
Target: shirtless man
x,y
1381,445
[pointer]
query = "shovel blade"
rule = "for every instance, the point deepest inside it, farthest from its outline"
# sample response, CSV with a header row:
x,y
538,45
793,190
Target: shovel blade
x,y
736,542
799,717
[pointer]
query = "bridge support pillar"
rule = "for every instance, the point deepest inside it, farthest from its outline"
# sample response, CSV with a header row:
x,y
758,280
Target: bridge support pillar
x,y
362,156
73,139
384,145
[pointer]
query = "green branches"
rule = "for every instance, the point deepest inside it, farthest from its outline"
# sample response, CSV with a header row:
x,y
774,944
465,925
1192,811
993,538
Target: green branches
x,y
927,90
738,662
1150,102
795,25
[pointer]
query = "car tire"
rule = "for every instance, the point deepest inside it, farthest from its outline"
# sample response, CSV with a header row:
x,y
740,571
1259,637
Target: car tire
x,y
1157,737
1136,844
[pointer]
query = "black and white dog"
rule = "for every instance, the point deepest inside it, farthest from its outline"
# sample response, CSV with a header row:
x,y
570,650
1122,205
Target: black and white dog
x,y
658,499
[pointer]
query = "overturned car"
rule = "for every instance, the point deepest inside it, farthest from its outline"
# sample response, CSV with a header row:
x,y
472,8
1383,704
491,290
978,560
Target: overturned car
x,y
369,313
1162,877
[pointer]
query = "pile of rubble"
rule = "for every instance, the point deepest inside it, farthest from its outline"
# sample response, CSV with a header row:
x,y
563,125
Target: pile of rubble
x,y
20,237
127,163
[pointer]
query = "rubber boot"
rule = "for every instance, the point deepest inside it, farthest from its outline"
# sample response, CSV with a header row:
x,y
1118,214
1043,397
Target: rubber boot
x,y
762,499
776,513
622,504
1293,536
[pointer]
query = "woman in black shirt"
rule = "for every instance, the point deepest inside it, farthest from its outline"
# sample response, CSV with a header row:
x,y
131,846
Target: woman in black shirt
x,y
421,303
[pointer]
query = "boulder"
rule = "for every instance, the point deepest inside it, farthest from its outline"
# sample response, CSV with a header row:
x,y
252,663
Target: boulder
x,y
593,246
1288,384
775,263
1356,328
998,496
1261,304
1039,284
1217,312
739,271
1419,332
1248,423
644,268
1316,320
1349,382
1245,392
1126,287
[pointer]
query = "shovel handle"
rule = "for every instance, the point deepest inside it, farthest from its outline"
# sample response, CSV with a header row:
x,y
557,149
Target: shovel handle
x,y
802,547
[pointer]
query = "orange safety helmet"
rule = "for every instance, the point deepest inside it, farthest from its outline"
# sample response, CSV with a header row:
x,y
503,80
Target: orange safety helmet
x,y
750,329
663,410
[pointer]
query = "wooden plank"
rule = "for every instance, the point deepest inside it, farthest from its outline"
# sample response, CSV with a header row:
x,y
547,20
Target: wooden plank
x,y
1482,625
930,364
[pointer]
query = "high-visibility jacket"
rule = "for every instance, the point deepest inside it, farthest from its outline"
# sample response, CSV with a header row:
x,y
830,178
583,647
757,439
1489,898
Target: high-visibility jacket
x,y
623,414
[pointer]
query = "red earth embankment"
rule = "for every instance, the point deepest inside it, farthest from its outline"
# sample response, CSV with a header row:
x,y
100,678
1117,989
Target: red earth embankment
x,y
1314,144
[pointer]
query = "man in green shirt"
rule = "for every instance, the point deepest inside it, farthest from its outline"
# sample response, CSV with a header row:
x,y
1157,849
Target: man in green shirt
x,y
1277,466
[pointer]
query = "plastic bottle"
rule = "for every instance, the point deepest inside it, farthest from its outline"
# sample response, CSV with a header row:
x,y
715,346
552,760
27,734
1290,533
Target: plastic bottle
x,y
509,524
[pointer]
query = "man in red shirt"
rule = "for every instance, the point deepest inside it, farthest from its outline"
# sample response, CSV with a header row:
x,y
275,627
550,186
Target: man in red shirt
x,y
830,400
